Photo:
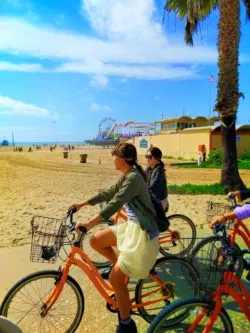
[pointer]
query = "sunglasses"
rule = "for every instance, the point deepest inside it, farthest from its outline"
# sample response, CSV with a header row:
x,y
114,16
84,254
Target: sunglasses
x,y
148,157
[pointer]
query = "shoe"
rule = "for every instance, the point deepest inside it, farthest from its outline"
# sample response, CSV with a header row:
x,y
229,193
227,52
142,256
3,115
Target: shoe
x,y
127,328
105,273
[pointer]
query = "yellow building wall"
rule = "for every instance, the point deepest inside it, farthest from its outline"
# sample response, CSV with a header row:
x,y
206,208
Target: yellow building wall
x,y
242,143
183,145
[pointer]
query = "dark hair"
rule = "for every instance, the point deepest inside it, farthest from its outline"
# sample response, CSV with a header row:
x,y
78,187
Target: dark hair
x,y
157,154
128,152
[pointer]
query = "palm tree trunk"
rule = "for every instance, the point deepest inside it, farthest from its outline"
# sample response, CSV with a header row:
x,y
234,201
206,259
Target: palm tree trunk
x,y
228,92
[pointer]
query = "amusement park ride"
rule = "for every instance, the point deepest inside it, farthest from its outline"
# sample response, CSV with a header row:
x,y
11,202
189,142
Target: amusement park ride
x,y
112,132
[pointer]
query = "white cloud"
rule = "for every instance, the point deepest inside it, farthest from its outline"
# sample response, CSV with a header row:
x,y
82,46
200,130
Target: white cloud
x,y
99,107
20,37
20,67
10,106
132,71
131,44
99,81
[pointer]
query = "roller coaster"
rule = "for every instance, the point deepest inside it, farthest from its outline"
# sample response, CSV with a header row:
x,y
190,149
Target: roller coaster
x,y
112,132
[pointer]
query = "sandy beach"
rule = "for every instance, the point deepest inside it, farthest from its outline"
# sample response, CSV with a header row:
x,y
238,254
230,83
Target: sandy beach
x,y
44,183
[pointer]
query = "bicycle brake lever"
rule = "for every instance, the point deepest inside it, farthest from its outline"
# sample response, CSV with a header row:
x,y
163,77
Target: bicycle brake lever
x,y
72,227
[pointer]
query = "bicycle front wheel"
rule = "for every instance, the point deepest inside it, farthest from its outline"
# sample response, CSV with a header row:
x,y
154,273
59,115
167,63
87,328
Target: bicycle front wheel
x,y
180,281
180,237
189,310
210,262
24,301
97,259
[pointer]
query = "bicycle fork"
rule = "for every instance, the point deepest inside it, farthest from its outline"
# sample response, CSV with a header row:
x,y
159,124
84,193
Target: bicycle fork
x,y
212,315
50,300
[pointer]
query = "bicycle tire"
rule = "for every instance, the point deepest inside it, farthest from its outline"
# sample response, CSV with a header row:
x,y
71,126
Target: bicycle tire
x,y
97,259
177,273
202,259
187,233
163,322
34,283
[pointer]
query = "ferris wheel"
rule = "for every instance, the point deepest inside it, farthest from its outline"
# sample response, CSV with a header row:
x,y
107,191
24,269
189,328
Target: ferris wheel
x,y
105,127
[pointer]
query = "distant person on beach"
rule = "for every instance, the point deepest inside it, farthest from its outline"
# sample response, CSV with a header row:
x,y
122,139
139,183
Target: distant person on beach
x,y
136,240
156,177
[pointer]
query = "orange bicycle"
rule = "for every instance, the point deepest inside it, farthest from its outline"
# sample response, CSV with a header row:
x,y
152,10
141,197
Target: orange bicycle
x,y
205,264
178,240
51,301
208,314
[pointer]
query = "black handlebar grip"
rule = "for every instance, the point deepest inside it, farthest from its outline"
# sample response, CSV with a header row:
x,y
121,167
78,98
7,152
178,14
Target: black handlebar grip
x,y
83,229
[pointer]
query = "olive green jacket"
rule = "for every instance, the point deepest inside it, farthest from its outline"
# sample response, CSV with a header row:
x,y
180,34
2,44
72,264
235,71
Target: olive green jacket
x,y
132,189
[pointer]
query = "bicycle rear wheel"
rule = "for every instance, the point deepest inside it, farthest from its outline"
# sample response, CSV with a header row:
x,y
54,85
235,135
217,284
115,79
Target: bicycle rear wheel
x,y
189,309
207,257
97,259
180,281
24,301
182,237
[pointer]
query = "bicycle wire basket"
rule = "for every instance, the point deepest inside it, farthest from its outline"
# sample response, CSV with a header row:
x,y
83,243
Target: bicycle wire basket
x,y
211,260
219,208
48,235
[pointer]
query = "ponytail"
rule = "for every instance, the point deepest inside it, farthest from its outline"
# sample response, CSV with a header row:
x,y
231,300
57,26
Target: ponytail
x,y
161,164
140,169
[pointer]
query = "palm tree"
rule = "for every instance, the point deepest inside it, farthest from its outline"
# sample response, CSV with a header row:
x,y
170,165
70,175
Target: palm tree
x,y
193,12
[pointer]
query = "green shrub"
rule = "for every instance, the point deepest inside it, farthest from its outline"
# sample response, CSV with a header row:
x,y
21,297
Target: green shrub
x,y
215,156
197,189
245,155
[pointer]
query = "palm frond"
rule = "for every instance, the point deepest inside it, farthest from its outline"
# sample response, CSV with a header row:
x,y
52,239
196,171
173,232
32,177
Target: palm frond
x,y
194,11
190,28
247,4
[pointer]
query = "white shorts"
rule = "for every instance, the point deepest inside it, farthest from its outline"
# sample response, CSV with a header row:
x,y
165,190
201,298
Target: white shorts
x,y
137,254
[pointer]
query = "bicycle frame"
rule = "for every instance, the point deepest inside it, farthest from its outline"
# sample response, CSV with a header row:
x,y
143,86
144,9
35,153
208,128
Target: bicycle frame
x,y
239,228
224,288
87,266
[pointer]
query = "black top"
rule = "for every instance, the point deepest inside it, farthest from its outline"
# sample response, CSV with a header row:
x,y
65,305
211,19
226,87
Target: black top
x,y
157,182
244,194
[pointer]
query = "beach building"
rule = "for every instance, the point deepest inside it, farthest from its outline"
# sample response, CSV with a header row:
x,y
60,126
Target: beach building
x,y
184,137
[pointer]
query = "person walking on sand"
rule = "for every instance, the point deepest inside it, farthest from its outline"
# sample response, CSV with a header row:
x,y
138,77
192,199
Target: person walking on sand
x,y
156,177
137,240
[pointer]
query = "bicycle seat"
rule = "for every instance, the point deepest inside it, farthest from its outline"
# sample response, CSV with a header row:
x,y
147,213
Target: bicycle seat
x,y
8,326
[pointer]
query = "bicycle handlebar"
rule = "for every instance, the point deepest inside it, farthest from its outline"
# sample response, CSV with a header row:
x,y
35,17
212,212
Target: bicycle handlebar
x,y
72,224
227,245
232,199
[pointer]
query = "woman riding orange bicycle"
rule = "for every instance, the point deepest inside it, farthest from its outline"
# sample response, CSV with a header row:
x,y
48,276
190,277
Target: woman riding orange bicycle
x,y
137,239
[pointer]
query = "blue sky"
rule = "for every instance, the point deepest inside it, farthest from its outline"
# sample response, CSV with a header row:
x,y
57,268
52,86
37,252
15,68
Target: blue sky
x,y
67,64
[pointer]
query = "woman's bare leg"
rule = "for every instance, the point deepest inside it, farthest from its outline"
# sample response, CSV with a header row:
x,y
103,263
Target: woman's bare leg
x,y
102,242
117,280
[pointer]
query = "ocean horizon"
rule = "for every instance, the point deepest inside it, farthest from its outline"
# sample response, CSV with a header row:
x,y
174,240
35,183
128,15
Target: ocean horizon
x,y
47,143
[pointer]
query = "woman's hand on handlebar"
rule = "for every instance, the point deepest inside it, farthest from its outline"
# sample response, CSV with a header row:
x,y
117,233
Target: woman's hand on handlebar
x,y
78,206
82,224
235,194
88,224
216,220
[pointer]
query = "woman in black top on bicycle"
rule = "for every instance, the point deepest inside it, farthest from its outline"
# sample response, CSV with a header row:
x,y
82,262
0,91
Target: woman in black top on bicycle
x,y
156,177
